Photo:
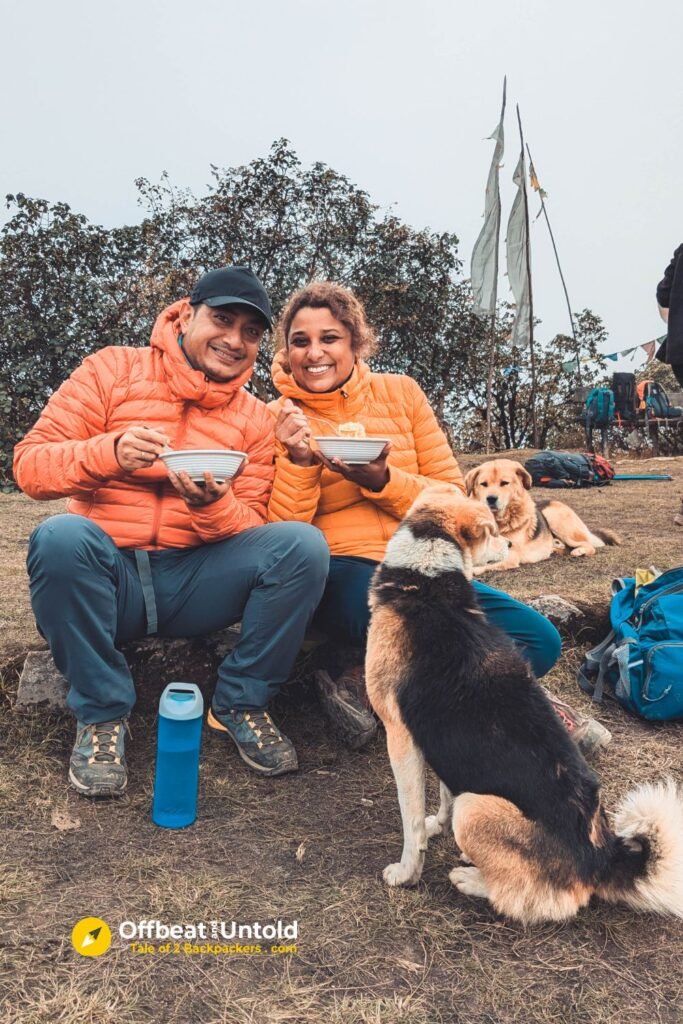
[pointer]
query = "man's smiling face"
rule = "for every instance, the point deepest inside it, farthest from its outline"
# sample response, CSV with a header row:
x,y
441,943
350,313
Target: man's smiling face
x,y
221,341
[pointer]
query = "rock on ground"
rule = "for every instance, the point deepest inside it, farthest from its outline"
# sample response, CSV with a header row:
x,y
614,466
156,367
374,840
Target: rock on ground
x,y
153,663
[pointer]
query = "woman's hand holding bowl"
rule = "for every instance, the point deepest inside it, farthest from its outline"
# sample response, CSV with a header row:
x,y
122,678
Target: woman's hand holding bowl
x,y
293,431
373,476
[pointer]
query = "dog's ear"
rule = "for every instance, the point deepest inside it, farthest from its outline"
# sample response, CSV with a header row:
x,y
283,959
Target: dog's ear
x,y
471,479
474,529
525,477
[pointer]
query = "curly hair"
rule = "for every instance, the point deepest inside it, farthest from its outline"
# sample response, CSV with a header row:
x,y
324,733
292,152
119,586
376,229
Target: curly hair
x,y
342,304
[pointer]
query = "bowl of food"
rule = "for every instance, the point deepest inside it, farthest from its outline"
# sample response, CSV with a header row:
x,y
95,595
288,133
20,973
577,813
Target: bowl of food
x,y
221,462
351,445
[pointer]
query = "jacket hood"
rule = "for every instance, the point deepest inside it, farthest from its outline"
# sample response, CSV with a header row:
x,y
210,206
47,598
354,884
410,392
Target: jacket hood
x,y
187,384
349,398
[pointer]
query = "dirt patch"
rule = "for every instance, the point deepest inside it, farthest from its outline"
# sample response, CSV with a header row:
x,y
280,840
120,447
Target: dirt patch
x,y
311,847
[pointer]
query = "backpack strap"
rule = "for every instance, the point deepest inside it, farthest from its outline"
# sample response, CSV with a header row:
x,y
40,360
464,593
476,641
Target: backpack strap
x,y
620,583
591,674
621,657
145,574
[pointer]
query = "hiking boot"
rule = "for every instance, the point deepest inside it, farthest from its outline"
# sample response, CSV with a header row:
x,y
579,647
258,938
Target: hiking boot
x,y
98,765
345,705
588,734
258,740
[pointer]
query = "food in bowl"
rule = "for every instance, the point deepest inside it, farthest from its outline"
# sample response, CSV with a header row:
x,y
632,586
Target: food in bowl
x,y
357,451
221,462
351,430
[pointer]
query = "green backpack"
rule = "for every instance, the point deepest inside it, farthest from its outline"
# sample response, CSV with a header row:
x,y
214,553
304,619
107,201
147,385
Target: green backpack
x,y
598,409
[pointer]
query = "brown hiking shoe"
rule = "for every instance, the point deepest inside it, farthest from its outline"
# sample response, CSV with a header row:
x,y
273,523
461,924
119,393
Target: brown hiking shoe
x,y
346,706
678,518
588,734
98,764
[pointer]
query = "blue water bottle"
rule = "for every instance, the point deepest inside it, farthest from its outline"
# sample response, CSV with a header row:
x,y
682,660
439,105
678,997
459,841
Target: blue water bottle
x,y
179,739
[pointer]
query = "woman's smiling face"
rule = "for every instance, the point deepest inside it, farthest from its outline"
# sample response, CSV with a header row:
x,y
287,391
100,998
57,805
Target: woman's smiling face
x,y
320,350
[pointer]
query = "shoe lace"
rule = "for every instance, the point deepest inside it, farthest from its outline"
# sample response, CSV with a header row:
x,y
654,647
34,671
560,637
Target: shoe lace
x,y
566,719
267,733
104,738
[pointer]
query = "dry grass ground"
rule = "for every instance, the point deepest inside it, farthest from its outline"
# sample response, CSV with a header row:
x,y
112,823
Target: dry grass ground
x,y
365,954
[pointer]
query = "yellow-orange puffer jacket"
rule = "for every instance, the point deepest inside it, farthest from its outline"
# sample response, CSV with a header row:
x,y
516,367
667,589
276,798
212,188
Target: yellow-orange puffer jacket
x,y
70,450
356,521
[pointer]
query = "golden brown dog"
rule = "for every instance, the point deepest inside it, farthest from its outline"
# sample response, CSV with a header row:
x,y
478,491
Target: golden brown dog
x,y
536,531
454,693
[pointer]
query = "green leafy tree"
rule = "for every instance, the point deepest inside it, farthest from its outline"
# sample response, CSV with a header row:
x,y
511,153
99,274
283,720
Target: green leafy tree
x,y
72,287
292,225
511,420
63,285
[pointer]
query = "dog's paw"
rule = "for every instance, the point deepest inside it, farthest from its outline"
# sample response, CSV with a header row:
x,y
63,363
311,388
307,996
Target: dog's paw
x,y
468,881
433,827
397,874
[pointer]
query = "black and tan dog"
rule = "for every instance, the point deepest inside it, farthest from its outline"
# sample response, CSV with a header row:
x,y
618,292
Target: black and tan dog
x,y
454,693
535,531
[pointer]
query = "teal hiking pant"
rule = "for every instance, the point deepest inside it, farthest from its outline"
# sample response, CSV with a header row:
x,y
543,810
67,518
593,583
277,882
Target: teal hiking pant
x,y
88,598
344,613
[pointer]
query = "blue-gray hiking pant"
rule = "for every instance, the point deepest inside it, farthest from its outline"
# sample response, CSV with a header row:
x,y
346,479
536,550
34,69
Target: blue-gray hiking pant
x,y
87,599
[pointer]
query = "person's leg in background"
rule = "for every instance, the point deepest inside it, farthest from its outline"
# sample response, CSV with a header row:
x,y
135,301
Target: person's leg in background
x,y
87,597
540,643
343,615
271,578
677,369
534,635
344,611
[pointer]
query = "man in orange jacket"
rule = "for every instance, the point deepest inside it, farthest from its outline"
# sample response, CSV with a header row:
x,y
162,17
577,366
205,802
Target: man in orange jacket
x,y
143,550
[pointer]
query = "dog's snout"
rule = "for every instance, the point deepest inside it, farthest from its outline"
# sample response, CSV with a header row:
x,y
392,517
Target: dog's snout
x,y
491,500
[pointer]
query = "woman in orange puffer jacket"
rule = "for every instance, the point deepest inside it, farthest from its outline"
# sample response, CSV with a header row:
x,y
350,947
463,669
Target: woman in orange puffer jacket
x,y
324,381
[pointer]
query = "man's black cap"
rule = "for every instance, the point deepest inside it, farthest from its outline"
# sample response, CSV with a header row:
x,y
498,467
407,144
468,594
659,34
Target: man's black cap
x,y
230,285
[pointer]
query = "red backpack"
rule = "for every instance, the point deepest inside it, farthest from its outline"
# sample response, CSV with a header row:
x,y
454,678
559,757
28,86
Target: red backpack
x,y
603,470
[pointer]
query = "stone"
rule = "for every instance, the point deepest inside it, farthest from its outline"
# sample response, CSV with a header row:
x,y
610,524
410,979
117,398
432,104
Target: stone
x,y
555,608
585,623
41,681
153,662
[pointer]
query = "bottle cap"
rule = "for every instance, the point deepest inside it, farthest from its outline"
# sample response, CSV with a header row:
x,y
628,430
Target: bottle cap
x,y
181,702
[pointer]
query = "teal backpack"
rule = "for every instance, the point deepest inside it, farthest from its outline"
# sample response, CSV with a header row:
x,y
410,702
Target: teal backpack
x,y
599,408
640,662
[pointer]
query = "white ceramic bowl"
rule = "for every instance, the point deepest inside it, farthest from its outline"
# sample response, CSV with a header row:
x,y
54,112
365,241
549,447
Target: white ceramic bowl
x,y
197,461
356,451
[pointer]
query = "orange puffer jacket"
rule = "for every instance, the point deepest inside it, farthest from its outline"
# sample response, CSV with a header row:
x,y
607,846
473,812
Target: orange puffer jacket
x,y
356,521
70,450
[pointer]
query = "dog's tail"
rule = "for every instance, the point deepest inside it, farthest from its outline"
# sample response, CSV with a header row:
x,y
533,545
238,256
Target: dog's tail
x,y
646,869
607,537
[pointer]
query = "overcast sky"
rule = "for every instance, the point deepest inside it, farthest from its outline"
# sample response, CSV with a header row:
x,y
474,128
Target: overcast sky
x,y
397,95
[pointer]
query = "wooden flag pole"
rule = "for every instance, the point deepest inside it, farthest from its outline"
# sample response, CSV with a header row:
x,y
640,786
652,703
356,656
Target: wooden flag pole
x,y
489,383
492,348
532,354
541,196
